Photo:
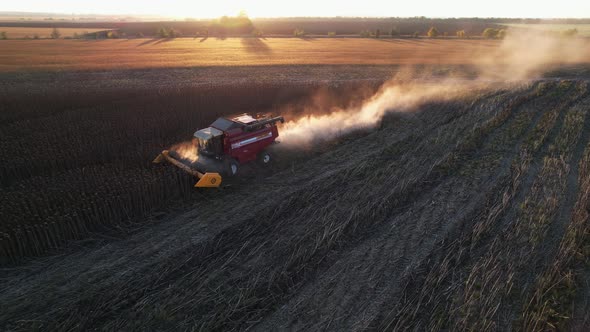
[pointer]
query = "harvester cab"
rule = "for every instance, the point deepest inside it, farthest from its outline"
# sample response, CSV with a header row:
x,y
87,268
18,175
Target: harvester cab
x,y
225,145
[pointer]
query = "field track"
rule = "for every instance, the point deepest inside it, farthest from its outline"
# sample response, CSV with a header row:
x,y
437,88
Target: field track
x,y
463,214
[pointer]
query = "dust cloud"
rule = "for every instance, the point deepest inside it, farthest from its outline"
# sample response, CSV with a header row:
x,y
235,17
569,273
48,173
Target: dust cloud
x,y
520,56
398,96
528,54
186,150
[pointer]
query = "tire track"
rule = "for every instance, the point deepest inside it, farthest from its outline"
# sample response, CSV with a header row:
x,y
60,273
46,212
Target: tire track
x,y
457,255
540,298
492,303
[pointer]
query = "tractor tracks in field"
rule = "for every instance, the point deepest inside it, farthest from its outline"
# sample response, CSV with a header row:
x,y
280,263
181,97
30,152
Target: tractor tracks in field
x,y
558,298
432,294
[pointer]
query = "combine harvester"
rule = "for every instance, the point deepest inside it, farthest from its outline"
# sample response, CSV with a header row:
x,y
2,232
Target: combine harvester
x,y
226,144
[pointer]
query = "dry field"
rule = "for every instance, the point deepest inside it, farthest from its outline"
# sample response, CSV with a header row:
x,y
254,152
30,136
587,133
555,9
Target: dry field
x,y
19,55
457,204
24,32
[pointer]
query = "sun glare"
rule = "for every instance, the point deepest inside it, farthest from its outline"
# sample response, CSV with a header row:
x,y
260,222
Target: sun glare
x,y
328,8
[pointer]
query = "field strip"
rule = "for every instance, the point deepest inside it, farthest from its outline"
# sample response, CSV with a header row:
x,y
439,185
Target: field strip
x,y
493,279
550,301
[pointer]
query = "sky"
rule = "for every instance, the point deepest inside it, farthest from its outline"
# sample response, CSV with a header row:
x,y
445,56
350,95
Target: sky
x,y
328,8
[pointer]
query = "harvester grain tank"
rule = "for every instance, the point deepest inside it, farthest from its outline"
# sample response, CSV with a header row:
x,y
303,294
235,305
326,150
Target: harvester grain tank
x,y
225,145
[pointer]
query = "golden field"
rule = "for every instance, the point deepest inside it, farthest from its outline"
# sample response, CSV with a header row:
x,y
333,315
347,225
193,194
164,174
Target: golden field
x,y
18,55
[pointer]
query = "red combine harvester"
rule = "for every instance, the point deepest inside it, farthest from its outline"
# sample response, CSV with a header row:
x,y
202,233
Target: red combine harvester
x,y
226,144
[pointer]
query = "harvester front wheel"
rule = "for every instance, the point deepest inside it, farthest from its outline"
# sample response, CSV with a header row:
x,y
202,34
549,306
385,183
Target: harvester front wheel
x,y
232,167
264,158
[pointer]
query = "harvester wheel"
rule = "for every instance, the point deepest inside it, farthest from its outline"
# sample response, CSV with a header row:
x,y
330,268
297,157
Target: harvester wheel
x,y
232,167
264,158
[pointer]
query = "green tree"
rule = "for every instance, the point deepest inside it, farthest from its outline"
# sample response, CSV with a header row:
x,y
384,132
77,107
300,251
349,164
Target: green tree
x,y
162,33
433,32
55,34
112,34
236,25
3,35
501,34
416,34
490,33
569,32
461,34
298,32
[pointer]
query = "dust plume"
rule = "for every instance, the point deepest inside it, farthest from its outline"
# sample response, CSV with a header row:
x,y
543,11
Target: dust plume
x,y
527,54
521,55
186,150
398,96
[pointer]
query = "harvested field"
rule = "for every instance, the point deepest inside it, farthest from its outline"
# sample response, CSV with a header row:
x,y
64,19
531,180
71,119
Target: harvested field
x,y
15,55
458,214
18,55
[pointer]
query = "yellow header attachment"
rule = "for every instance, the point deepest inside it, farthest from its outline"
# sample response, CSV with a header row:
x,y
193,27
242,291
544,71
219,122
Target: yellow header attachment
x,y
207,180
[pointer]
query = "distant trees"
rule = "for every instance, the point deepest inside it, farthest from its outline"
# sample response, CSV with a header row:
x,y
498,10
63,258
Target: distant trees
x,y
365,34
240,24
395,32
55,34
3,35
416,34
460,34
569,32
433,32
173,33
377,33
164,32
491,33
331,34
298,32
